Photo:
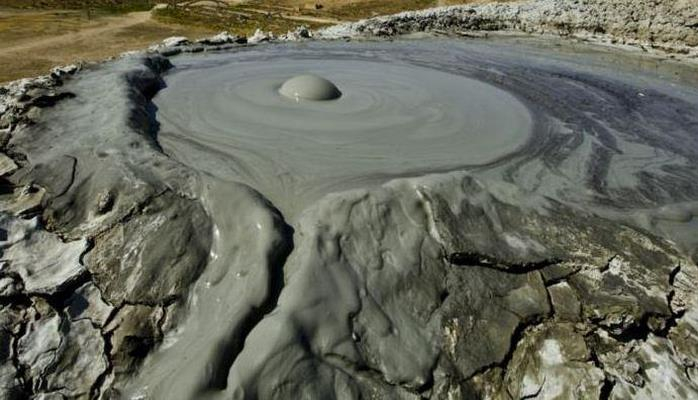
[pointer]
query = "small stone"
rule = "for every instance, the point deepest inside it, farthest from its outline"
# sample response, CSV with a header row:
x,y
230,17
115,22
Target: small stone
x,y
221,38
24,200
551,362
105,201
175,41
65,70
260,36
565,302
9,287
7,165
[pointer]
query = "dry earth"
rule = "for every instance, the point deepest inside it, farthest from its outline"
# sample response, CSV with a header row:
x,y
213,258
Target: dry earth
x,y
34,41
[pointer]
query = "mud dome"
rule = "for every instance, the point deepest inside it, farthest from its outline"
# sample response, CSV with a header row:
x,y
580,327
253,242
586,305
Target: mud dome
x,y
309,87
223,114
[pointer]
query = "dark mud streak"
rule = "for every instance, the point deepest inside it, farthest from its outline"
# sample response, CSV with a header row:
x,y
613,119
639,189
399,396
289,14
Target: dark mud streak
x,y
45,101
234,343
73,172
487,261
516,337
98,390
608,382
25,379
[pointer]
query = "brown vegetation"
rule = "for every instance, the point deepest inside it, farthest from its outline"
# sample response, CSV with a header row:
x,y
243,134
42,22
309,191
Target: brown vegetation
x,y
38,34
31,42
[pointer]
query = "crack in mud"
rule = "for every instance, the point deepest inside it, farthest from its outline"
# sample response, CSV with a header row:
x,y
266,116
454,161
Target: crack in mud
x,y
235,342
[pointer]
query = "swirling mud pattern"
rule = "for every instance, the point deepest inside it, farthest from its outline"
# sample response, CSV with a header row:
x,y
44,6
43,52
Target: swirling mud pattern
x,y
552,124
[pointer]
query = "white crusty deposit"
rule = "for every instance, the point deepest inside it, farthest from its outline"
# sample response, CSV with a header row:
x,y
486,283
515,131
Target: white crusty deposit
x,y
670,26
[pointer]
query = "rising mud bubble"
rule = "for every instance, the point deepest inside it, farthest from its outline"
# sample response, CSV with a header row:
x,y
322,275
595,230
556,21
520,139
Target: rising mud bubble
x,y
310,87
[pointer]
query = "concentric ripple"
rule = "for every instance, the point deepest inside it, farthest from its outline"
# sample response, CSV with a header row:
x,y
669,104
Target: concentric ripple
x,y
392,118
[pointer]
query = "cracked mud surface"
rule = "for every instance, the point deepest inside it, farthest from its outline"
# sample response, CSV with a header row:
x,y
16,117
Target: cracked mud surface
x,y
138,262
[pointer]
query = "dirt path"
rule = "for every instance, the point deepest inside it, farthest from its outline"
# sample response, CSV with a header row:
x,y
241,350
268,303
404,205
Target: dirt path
x,y
302,18
307,18
103,26
33,42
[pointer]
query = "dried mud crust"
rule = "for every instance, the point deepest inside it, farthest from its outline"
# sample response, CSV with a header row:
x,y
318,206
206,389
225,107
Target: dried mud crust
x,y
450,286
667,26
78,219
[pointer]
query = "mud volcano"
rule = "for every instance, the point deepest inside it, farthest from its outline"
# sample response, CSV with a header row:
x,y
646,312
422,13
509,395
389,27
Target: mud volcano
x,y
400,285
434,218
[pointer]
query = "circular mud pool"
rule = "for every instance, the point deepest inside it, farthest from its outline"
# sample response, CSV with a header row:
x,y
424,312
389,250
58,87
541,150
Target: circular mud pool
x,y
588,118
393,118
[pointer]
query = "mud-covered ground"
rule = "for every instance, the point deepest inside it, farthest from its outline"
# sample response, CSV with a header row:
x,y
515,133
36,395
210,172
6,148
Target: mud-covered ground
x,y
164,238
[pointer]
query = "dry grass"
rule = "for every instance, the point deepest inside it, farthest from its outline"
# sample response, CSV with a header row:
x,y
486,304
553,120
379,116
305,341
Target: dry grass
x,y
355,10
99,6
38,34
244,17
232,20
34,41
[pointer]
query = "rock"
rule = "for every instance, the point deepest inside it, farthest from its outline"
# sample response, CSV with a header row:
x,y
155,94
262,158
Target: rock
x,y
79,362
10,386
565,302
61,356
664,24
299,33
49,396
663,371
62,71
11,319
260,36
684,336
10,286
552,362
621,298
559,271
23,200
490,307
105,201
175,41
221,38
616,358
7,165
44,263
134,331
154,256
86,303
39,347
